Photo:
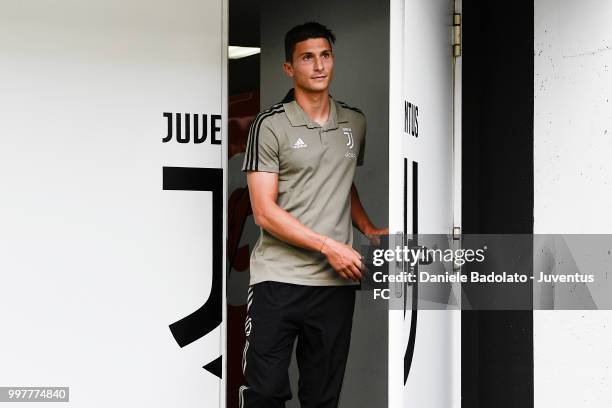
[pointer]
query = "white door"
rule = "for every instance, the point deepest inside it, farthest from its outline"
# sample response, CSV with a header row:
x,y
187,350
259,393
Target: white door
x,y
424,348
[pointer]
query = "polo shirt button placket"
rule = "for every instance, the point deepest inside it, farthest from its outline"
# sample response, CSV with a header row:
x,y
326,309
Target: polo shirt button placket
x,y
321,137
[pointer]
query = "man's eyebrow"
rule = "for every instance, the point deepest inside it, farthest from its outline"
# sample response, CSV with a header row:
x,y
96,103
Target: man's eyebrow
x,y
310,52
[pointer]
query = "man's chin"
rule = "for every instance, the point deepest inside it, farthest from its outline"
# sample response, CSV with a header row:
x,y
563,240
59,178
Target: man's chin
x,y
315,89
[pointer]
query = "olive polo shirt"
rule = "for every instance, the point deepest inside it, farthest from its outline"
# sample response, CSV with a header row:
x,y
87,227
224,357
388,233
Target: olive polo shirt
x,y
315,166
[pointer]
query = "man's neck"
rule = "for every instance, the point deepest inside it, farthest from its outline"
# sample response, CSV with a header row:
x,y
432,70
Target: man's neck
x,y
314,104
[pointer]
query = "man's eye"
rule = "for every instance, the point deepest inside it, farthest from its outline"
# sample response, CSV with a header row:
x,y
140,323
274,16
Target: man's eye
x,y
306,56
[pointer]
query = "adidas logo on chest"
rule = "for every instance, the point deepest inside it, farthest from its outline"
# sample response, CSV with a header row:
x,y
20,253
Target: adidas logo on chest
x,y
299,144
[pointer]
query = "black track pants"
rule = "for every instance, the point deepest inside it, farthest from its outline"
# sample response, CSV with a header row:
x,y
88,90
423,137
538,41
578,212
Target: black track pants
x,y
321,318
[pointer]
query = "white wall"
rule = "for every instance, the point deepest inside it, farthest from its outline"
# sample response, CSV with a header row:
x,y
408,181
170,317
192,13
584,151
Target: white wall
x,y
573,186
96,259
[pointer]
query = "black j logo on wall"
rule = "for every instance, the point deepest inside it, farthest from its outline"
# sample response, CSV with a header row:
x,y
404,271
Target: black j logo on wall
x,y
409,353
208,317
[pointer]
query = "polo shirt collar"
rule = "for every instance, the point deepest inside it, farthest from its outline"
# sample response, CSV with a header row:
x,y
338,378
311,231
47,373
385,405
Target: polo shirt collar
x,y
298,117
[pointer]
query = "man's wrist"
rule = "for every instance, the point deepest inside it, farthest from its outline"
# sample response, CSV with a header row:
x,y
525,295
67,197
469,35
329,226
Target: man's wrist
x,y
323,248
368,229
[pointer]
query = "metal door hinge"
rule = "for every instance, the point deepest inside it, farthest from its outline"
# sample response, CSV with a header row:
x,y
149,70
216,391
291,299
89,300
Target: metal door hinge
x,y
456,244
456,35
456,233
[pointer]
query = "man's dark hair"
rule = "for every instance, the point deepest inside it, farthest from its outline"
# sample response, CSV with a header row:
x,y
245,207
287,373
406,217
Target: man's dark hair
x,y
303,32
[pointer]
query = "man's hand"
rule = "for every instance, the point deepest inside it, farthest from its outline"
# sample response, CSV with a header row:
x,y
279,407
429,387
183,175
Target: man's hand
x,y
343,258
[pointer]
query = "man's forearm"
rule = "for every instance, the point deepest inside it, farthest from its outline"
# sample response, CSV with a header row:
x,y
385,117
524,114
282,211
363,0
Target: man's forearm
x,y
286,227
358,215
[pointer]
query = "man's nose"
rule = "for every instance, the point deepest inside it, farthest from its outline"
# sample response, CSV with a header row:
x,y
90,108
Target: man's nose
x,y
318,64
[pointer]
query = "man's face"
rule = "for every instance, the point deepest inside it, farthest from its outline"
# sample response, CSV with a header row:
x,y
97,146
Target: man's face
x,y
312,65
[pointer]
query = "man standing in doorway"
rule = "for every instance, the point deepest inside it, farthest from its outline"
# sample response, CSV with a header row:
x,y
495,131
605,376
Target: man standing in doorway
x,y
300,161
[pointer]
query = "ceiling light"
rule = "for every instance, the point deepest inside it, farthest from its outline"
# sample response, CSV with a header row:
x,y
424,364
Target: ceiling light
x,y
235,52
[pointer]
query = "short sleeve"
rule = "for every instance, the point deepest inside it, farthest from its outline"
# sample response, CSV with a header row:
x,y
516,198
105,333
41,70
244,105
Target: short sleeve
x,y
361,153
262,150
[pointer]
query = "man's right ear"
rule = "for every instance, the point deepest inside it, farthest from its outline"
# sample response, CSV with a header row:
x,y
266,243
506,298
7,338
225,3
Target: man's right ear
x,y
288,68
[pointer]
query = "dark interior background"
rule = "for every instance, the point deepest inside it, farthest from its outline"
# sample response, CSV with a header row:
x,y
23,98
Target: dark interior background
x,y
497,346
244,30
256,83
